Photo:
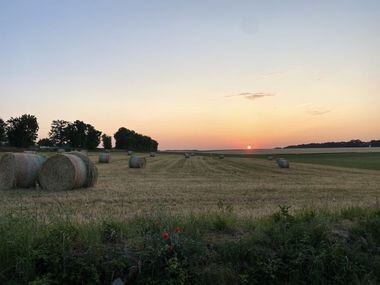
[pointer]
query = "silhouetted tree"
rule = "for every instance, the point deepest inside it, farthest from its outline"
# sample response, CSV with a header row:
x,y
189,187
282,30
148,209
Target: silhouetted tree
x,y
22,131
107,141
2,130
130,140
58,134
45,142
93,137
76,135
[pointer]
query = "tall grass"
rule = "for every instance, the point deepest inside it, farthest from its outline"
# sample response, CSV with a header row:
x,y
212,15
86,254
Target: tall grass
x,y
218,248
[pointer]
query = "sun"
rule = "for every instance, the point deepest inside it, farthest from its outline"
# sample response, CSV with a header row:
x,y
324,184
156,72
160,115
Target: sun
x,y
249,147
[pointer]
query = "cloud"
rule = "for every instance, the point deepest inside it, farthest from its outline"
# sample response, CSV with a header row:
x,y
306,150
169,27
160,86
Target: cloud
x,y
252,95
318,112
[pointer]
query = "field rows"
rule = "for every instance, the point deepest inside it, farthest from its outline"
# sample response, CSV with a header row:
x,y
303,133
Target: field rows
x,y
171,183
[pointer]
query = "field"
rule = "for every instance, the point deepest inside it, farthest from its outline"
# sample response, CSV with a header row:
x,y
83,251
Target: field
x,y
171,184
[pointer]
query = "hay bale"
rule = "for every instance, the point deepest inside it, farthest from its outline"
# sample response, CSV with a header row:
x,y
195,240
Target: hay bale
x,y
187,155
61,150
130,152
104,157
282,163
270,157
68,171
137,162
20,170
221,156
152,154
85,152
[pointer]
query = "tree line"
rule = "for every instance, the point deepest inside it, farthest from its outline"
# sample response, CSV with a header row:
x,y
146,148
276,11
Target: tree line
x,y
22,132
351,143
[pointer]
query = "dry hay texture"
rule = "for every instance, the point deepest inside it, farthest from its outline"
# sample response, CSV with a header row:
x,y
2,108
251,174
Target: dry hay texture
x,y
104,157
68,171
19,170
172,184
137,162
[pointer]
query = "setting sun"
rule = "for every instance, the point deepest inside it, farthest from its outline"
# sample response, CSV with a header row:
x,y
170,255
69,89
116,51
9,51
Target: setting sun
x,y
249,147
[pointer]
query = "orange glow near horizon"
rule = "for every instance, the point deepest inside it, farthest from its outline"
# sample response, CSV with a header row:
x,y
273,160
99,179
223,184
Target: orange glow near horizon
x,y
249,147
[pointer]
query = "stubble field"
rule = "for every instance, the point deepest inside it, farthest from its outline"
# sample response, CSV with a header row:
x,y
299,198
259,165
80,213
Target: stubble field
x,y
172,184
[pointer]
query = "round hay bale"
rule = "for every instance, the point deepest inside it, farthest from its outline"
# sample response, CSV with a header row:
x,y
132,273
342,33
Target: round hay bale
x,y
130,152
61,150
152,154
68,171
20,170
137,162
104,157
270,157
221,156
187,155
282,163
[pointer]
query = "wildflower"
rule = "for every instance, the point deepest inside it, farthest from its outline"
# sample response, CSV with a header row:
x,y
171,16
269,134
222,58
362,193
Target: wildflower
x,y
165,235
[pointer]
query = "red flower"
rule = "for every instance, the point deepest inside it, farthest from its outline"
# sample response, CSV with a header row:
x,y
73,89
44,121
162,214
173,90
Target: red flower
x,y
165,235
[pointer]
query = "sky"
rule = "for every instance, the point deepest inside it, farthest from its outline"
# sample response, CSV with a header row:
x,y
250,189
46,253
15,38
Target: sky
x,y
196,74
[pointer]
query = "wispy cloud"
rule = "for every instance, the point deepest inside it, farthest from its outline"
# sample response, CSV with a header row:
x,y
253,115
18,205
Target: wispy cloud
x,y
252,95
318,112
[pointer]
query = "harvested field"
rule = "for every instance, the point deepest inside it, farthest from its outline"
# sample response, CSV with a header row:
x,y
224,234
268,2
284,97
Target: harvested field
x,y
171,183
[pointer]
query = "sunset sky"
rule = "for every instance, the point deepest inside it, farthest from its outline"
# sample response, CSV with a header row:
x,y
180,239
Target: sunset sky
x,y
196,74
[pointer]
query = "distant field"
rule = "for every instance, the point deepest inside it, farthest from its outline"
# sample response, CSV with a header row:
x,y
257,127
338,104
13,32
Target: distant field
x,y
349,160
173,184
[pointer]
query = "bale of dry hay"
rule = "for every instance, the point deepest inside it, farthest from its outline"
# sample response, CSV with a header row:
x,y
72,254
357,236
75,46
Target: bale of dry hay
x,y
104,157
20,170
137,162
221,156
187,155
61,150
282,163
130,152
68,171
152,154
270,157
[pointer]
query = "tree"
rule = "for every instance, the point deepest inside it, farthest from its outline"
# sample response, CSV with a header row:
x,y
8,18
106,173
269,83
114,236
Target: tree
x,y
45,142
77,134
121,137
107,141
93,137
58,134
2,130
130,140
22,131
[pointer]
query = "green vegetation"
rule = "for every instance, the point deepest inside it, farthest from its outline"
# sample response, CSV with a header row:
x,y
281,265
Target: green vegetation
x,y
218,248
350,160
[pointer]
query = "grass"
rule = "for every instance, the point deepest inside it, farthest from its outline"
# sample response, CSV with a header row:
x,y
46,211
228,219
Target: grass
x,y
369,161
201,220
175,185
221,248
